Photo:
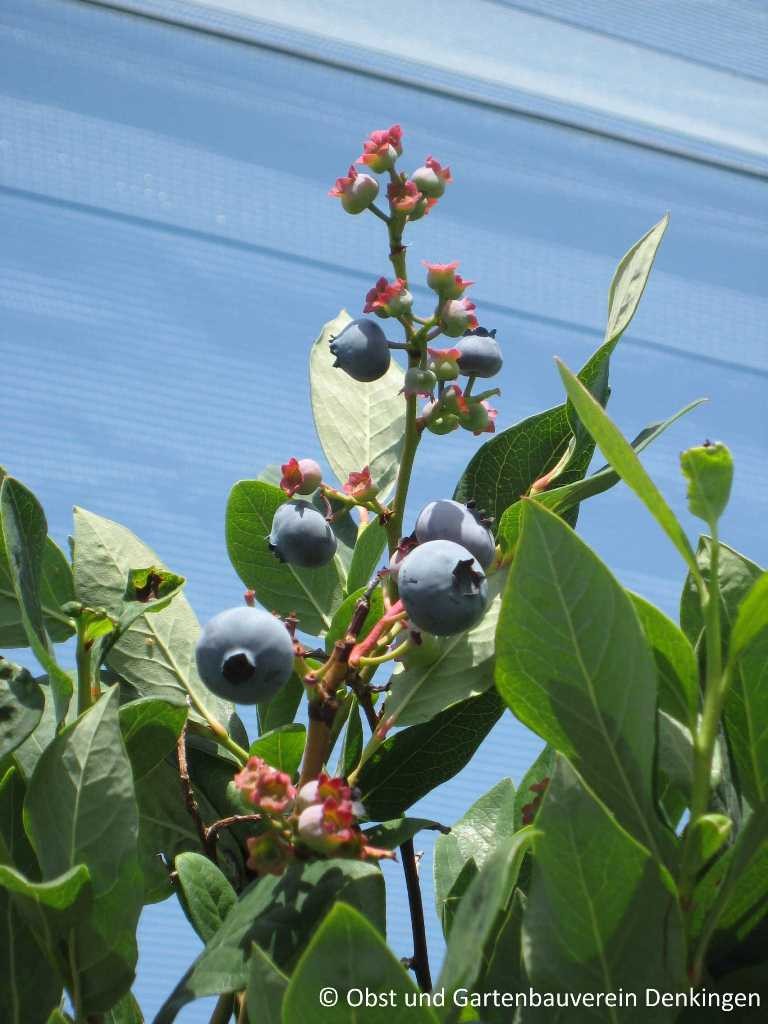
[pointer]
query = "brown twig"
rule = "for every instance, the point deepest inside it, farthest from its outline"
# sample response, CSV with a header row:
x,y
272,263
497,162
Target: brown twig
x,y
189,794
420,959
212,830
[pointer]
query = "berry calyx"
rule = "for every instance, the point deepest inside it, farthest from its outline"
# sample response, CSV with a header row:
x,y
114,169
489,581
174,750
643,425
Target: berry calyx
x,y
301,536
362,350
244,655
300,476
388,298
356,191
457,316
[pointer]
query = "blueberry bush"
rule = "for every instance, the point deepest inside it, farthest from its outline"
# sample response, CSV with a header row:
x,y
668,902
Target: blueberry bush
x,y
379,652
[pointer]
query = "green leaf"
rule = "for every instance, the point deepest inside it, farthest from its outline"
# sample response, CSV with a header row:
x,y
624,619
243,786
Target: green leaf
x,y
388,835
279,914
528,799
206,895
281,710
751,618
352,746
708,468
313,594
126,1011
736,576
629,281
676,670
28,753
358,424
282,747
590,929
344,612
58,1017
620,454
474,925
55,588
266,988
21,706
150,729
475,836
463,668
348,956
572,663
567,496
29,987
371,541
415,760
708,835
675,755
156,654
746,719
502,968
81,809
24,532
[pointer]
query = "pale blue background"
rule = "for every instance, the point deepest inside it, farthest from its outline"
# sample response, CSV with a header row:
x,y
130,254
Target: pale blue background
x,y
169,252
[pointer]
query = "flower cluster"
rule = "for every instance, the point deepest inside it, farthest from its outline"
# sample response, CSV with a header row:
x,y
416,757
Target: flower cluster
x,y
320,819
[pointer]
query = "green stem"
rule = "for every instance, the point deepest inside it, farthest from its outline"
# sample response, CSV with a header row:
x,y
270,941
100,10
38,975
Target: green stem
x,y
389,656
222,1011
84,672
410,444
221,735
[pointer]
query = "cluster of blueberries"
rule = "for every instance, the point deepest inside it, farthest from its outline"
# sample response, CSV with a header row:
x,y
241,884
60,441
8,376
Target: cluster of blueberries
x,y
246,654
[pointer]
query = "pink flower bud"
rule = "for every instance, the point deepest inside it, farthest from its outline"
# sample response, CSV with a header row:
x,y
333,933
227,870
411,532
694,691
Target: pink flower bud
x,y
264,787
445,363
360,486
431,179
356,191
382,148
422,208
300,476
457,316
403,196
479,417
388,298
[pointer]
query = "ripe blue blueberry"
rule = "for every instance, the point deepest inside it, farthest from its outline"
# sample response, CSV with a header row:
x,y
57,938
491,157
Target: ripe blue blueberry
x,y
362,350
449,520
245,655
442,587
301,536
480,353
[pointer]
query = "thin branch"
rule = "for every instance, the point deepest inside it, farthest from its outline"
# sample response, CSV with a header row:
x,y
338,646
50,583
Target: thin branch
x,y
212,831
189,794
420,960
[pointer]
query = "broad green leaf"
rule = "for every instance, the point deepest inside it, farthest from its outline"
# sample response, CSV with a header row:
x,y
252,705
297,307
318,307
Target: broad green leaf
x,y
279,914
21,706
156,655
150,729
602,915
28,754
206,895
81,809
751,618
388,835
675,755
475,836
529,793
708,468
416,760
29,987
59,1017
281,710
266,988
736,575
282,747
348,955
55,588
367,556
358,424
567,496
352,745
313,594
502,967
456,894
477,917
620,454
708,835
572,663
676,669
463,668
126,1011
24,532
345,611
630,279
746,707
